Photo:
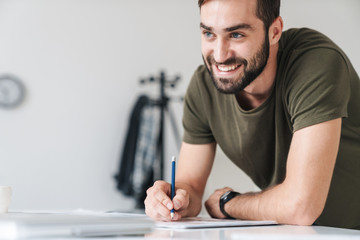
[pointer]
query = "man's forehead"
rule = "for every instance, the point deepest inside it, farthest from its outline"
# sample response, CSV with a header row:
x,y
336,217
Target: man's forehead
x,y
226,13
232,4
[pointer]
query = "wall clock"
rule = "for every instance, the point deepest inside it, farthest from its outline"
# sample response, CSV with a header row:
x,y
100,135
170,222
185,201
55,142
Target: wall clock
x,y
12,91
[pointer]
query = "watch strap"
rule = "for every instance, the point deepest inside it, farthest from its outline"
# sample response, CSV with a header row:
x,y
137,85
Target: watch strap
x,y
224,199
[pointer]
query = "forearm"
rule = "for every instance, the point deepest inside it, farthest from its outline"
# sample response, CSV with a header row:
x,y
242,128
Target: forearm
x,y
280,203
194,166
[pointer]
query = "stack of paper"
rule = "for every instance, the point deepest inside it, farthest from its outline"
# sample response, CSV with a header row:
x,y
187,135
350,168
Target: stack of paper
x,y
26,225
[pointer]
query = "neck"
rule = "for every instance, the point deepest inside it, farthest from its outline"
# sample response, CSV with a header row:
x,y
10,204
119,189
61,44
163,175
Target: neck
x,y
260,89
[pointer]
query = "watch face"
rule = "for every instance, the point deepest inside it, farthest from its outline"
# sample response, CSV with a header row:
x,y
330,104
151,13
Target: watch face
x,y
11,91
225,195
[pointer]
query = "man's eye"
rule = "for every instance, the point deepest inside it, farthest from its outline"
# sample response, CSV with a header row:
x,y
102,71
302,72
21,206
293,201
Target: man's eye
x,y
208,34
236,35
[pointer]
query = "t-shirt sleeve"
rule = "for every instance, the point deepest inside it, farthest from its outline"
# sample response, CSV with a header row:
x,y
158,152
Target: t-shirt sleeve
x,y
319,88
195,123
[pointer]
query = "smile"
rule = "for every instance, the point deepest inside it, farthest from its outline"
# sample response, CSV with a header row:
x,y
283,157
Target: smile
x,y
227,68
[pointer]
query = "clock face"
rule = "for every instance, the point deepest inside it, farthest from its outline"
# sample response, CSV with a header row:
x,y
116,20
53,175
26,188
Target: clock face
x,y
11,91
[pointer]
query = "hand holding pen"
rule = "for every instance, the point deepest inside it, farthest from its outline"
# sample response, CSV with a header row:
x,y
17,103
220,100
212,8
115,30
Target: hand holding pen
x,y
166,203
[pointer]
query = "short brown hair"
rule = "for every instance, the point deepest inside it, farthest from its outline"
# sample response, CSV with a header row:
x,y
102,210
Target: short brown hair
x,y
267,11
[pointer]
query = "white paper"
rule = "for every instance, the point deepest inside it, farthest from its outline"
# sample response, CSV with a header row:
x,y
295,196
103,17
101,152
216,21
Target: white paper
x,y
79,223
204,222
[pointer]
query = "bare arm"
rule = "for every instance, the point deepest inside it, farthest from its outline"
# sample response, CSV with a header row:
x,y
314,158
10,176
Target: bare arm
x,y
193,169
301,198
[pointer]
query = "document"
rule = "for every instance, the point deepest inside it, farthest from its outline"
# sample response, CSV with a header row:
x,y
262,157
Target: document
x,y
206,222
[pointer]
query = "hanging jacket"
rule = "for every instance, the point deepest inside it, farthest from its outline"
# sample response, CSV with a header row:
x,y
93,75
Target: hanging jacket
x,y
139,152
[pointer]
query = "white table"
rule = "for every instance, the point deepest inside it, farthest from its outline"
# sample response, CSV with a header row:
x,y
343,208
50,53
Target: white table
x,y
278,232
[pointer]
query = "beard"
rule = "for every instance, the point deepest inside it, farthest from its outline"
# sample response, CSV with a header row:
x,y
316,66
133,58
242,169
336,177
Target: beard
x,y
252,69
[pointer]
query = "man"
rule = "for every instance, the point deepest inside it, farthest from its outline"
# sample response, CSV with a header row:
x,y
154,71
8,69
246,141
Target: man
x,y
284,107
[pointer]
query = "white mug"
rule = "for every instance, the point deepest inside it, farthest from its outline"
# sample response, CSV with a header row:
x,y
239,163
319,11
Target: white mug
x,y
5,198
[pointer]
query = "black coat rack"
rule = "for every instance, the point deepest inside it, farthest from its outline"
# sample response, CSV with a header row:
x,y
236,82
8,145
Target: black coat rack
x,y
163,103
124,177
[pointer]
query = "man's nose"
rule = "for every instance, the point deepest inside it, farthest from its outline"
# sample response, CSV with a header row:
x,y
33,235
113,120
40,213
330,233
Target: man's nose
x,y
222,51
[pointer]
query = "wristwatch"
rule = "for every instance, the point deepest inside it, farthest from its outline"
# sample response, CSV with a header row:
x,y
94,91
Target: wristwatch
x,y
224,199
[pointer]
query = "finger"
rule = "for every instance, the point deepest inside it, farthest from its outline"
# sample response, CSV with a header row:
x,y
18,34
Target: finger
x,y
225,189
163,186
212,206
177,216
157,203
164,199
209,208
155,209
181,199
156,215
161,191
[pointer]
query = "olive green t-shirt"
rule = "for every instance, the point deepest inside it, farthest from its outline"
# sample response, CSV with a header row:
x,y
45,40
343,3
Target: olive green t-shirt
x,y
315,82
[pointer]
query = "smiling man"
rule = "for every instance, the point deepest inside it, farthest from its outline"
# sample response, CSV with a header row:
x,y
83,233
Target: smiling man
x,y
284,107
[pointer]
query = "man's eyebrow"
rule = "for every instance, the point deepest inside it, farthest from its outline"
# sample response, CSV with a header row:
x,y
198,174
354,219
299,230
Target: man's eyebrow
x,y
205,27
239,26
230,29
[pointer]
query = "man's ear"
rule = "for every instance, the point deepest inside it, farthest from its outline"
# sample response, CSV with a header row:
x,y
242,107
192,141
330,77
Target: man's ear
x,y
275,30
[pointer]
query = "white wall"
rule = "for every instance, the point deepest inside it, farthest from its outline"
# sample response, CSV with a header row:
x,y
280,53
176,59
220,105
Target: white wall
x,y
81,61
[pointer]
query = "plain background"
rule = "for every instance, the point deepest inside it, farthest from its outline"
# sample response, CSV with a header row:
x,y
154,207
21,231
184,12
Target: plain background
x,y
81,62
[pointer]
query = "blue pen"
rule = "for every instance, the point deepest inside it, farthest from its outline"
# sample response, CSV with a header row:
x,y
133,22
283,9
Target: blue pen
x,y
172,184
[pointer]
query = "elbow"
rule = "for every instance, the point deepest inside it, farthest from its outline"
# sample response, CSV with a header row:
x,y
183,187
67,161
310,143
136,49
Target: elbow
x,y
307,219
304,213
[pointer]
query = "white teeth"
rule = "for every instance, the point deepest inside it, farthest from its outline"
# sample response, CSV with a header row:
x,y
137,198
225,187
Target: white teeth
x,y
227,68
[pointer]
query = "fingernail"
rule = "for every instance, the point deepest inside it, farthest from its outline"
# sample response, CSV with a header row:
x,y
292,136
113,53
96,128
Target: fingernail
x,y
176,204
169,206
